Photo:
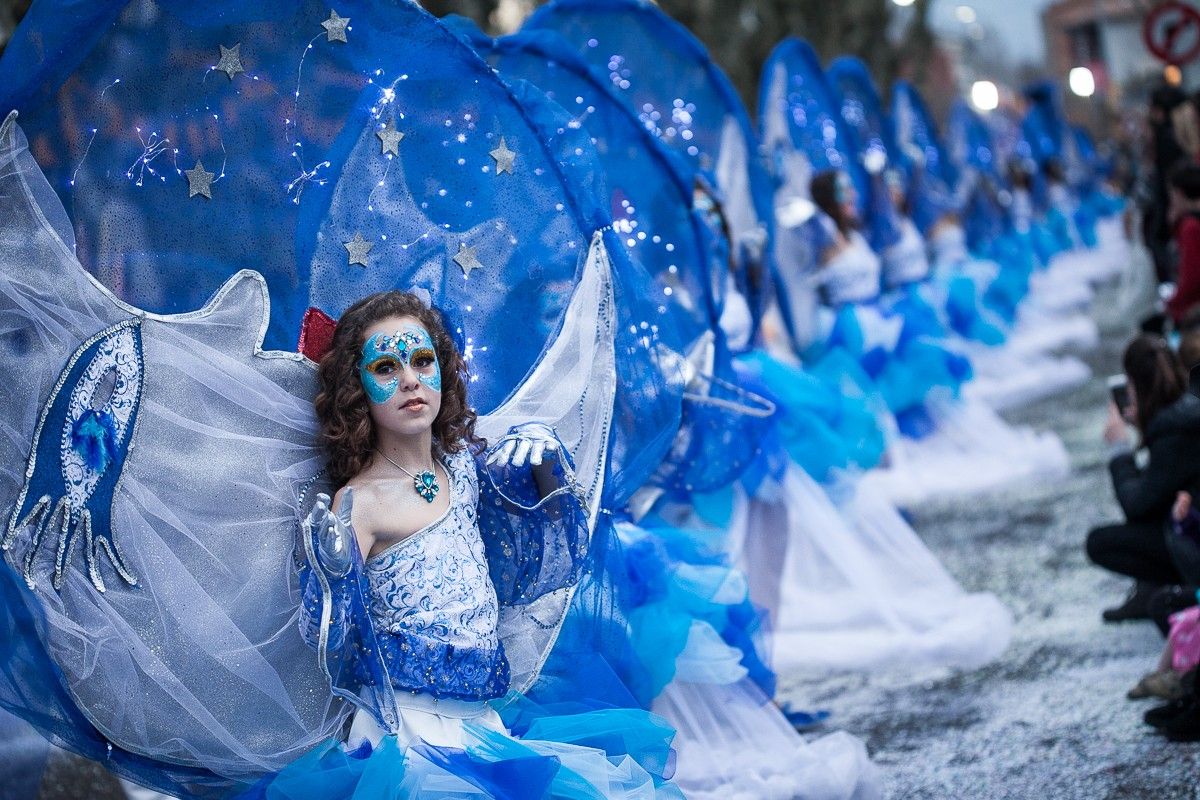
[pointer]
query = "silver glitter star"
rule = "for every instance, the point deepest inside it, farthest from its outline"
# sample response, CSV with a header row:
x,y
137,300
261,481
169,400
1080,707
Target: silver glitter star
x,y
335,27
467,258
504,158
357,249
389,138
231,60
199,180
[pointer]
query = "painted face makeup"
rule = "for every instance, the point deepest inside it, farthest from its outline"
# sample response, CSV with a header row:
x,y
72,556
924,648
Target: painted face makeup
x,y
385,356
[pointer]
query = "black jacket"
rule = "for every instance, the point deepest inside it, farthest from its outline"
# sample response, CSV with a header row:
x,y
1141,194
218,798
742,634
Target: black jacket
x,y
1173,439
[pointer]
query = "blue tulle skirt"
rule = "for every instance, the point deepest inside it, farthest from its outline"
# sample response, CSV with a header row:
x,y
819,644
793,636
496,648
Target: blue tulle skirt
x,y
1014,252
904,365
819,425
492,765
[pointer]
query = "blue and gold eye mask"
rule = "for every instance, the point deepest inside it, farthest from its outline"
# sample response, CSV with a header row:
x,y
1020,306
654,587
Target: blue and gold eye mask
x,y
385,356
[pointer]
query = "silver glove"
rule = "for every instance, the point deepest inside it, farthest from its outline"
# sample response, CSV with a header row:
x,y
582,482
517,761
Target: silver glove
x,y
532,441
335,535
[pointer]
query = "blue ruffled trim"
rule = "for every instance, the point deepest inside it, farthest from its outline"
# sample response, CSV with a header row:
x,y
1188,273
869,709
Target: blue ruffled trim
x,y
443,670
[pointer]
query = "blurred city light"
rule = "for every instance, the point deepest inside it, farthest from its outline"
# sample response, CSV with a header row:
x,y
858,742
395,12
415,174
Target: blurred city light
x,y
1081,81
1173,75
904,3
985,96
966,15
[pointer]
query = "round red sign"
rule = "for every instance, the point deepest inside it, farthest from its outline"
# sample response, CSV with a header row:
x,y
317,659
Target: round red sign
x,y
1171,32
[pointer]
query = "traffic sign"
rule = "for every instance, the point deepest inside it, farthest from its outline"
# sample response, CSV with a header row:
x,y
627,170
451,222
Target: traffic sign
x,y
1171,32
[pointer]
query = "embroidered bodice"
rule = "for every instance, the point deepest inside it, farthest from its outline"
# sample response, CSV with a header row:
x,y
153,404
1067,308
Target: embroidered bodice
x,y
949,246
433,593
1061,199
1022,210
435,583
905,262
435,612
852,275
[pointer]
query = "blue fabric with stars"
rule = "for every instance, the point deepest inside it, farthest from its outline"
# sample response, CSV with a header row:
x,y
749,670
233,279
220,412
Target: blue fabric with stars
x,y
651,189
870,132
665,75
920,152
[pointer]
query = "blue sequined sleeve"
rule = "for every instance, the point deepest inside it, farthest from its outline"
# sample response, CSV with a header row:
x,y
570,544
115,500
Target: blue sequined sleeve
x,y
534,545
350,651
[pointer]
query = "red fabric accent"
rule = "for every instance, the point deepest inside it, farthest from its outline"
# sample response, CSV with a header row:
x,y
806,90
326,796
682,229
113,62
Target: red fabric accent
x,y
1187,286
316,334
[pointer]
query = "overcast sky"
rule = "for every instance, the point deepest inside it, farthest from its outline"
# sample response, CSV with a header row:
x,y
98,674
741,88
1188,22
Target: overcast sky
x,y
1017,22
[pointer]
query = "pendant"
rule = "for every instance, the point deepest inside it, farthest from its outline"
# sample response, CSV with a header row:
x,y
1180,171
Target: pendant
x,y
426,484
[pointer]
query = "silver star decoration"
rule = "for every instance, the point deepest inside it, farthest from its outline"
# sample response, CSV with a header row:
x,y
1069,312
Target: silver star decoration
x,y
357,248
467,258
199,180
504,158
335,27
231,60
389,138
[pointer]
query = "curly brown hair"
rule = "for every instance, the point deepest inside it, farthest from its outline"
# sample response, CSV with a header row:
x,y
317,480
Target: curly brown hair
x,y
341,403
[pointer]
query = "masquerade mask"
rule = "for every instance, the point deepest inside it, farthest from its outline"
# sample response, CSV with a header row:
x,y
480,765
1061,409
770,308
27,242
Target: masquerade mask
x,y
385,356
842,187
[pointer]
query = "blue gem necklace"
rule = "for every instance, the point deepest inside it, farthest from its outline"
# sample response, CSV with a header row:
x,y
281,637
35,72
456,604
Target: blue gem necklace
x,y
425,481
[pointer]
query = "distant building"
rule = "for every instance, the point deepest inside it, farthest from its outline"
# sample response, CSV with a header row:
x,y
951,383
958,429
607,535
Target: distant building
x,y
1106,37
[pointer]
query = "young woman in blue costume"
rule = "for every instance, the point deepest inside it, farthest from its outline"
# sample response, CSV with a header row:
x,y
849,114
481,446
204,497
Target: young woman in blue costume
x,y
951,304
1040,150
388,653
839,564
254,431
956,433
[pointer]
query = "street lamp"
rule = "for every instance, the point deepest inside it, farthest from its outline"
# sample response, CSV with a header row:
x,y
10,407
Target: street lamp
x,y
1081,81
985,96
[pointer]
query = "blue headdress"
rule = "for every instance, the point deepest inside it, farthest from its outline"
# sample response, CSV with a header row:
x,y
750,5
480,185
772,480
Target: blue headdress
x,y
874,144
797,109
971,149
185,139
665,75
803,134
931,174
651,202
649,188
1044,126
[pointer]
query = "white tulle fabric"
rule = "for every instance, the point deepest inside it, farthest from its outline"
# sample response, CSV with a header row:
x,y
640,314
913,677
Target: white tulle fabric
x,y
971,450
571,389
854,588
205,512
733,743
1005,378
731,740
